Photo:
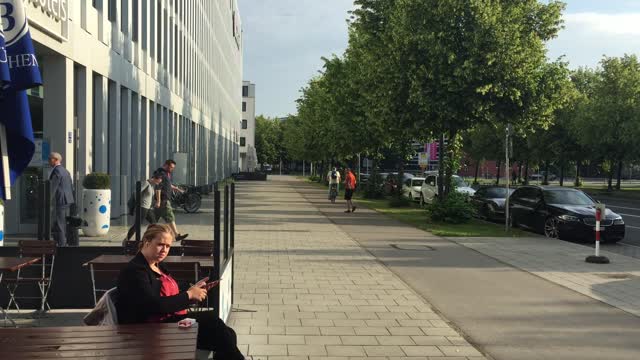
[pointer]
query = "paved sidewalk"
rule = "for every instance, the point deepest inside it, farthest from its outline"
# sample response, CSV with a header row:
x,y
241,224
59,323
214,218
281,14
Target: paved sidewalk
x,y
305,290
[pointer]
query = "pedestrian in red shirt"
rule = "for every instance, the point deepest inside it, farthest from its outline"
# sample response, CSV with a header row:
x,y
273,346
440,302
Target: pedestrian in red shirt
x,y
349,188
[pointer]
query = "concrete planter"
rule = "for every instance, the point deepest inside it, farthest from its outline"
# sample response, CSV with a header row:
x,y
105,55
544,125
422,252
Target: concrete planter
x,y
96,211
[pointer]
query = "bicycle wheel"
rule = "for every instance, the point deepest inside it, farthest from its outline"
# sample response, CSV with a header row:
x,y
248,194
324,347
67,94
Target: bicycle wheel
x,y
192,203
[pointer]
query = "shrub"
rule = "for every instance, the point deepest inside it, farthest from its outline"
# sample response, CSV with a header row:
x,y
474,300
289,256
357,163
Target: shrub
x,y
454,209
399,201
97,181
315,178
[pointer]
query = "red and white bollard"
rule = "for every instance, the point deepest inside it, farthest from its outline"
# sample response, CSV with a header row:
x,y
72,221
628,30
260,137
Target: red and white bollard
x,y
597,258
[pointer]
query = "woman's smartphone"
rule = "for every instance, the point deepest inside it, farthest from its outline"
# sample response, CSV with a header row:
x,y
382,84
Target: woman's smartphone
x,y
212,284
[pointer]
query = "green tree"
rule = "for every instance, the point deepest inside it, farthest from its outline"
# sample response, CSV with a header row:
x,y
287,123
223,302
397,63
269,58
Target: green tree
x,y
473,61
610,124
268,140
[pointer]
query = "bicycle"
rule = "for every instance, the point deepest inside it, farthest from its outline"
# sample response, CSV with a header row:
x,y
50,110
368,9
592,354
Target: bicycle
x,y
190,200
333,193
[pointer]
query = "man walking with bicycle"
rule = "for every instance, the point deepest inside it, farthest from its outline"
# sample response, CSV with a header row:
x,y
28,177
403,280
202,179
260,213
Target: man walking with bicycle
x,y
333,178
163,207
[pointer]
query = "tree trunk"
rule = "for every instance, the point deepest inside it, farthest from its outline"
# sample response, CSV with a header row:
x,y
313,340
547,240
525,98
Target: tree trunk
x,y
451,160
400,180
526,172
441,167
546,173
576,183
610,180
520,172
475,180
619,175
499,166
562,173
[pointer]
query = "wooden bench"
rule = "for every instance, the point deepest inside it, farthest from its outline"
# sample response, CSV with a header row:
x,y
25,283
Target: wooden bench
x,y
138,341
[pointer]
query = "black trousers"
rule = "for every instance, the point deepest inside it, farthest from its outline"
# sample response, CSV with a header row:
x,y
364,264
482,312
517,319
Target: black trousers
x,y
59,226
214,335
144,214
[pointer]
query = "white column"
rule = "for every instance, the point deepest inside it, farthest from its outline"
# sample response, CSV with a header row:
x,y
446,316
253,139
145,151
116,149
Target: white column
x,y
136,134
101,129
144,137
84,108
58,107
126,148
114,148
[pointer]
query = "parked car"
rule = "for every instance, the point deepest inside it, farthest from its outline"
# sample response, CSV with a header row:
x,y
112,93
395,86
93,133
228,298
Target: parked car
x,y
391,182
540,177
267,168
429,189
562,213
411,188
489,202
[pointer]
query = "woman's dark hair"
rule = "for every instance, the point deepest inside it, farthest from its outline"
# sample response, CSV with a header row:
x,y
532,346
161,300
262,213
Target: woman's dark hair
x,y
169,162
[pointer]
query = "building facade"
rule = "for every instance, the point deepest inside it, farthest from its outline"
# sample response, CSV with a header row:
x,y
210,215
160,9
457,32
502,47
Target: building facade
x,y
248,156
128,84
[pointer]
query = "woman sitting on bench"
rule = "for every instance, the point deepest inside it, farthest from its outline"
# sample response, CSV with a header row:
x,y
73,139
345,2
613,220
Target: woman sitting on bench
x,y
148,293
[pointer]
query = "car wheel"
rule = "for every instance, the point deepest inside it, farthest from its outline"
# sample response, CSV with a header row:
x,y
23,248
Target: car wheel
x,y
551,228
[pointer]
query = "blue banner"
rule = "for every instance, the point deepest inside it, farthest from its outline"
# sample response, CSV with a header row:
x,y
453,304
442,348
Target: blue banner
x,y
23,73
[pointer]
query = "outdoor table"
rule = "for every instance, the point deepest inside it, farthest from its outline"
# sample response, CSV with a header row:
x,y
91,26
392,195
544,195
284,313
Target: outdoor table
x,y
158,341
11,264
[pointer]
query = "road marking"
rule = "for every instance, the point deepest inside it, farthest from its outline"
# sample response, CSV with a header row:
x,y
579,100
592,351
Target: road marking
x,y
626,244
633,227
637,216
622,207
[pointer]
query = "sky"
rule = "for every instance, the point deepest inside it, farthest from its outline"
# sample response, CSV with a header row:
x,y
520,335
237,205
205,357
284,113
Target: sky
x,y
284,41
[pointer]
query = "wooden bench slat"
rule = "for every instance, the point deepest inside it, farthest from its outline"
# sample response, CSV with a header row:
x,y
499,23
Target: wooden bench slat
x,y
71,340
150,352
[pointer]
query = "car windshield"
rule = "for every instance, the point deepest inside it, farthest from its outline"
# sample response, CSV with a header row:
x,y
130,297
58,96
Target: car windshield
x,y
567,197
458,182
417,182
497,192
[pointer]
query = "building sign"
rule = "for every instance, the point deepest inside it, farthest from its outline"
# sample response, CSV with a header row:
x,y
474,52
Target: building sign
x,y
50,16
423,159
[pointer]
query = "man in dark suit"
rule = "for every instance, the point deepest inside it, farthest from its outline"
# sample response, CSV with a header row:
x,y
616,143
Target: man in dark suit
x,y
61,188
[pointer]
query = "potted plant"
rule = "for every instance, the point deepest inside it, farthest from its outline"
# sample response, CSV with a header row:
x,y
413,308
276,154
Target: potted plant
x,y
96,204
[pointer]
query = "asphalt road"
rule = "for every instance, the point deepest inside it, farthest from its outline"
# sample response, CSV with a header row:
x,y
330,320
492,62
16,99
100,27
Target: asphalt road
x,y
630,212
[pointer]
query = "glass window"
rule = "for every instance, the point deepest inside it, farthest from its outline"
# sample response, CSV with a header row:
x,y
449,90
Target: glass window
x,y
112,10
244,124
567,197
245,91
134,20
124,14
243,141
431,180
244,106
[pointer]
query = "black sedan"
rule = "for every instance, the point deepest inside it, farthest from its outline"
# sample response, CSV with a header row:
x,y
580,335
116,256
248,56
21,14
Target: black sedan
x,y
489,202
562,213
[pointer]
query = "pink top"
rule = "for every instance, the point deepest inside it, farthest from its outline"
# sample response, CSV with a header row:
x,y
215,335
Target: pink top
x,y
168,287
